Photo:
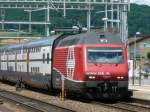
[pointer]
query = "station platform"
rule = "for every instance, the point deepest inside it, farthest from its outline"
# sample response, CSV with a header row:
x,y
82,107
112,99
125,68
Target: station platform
x,y
141,92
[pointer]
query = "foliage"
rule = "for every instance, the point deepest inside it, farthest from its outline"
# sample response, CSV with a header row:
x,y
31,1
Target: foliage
x,y
138,19
148,55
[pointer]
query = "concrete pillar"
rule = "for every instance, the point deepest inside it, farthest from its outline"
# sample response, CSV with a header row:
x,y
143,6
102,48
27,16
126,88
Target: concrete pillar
x,y
89,16
3,18
88,21
106,16
30,18
47,20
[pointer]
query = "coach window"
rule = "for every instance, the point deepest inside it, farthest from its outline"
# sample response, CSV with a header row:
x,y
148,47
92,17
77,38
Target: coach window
x,y
25,50
37,49
29,50
38,69
47,58
43,58
33,70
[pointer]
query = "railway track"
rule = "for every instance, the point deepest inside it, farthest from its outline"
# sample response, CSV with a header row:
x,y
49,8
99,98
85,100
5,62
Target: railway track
x,y
126,106
32,104
135,105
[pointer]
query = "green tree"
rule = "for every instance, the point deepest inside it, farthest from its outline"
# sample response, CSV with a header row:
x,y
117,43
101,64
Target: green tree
x,y
148,55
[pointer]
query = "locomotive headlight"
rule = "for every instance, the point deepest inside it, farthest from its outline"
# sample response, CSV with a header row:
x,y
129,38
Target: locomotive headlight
x,y
120,77
91,77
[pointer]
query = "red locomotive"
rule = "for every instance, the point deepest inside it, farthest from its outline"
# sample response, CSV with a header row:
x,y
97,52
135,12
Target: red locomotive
x,y
94,63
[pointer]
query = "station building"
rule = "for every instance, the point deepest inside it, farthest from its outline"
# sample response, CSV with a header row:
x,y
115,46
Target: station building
x,y
140,45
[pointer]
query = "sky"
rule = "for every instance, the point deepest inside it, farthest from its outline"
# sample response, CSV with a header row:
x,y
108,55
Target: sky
x,y
147,2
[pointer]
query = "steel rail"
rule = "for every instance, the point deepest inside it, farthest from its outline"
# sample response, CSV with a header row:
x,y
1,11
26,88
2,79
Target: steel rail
x,y
33,104
125,106
114,106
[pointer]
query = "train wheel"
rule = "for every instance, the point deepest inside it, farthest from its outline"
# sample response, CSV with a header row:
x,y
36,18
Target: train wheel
x,y
22,85
19,85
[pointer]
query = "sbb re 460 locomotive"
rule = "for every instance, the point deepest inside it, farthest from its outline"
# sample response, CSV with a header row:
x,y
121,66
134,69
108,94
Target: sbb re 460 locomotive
x,y
92,63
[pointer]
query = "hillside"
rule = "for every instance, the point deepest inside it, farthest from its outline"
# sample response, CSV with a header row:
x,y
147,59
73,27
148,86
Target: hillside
x,y
138,19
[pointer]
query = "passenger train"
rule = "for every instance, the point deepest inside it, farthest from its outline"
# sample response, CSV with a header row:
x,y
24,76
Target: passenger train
x,y
92,63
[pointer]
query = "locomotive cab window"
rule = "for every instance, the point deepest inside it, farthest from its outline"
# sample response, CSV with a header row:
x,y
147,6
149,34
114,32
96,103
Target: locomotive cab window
x,y
105,55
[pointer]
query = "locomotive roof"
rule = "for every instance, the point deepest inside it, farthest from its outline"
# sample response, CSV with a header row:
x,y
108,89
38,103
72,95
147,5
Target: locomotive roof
x,y
93,37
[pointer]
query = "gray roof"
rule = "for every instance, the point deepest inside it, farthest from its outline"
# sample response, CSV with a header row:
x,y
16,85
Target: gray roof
x,y
35,43
93,37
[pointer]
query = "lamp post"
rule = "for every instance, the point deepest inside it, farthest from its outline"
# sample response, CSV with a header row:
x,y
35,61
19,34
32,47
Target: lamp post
x,y
135,55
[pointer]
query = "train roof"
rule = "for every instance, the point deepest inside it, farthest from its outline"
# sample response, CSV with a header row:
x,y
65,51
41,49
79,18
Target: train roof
x,y
36,43
93,37
41,42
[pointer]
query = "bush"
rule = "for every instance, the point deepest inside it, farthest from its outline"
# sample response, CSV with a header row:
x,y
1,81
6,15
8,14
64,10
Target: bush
x,y
148,55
